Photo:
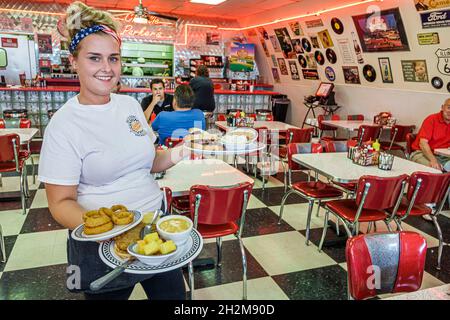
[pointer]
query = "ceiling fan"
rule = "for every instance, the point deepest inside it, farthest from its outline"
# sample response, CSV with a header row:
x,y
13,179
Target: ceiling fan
x,y
141,14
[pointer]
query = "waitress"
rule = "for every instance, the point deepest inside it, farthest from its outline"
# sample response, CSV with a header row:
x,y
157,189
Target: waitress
x,y
98,150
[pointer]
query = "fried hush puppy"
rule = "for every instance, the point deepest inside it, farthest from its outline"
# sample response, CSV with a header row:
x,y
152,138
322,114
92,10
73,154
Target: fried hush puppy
x,y
104,219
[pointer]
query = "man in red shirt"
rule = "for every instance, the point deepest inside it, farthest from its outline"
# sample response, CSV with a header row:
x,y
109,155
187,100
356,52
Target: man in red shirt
x,y
434,134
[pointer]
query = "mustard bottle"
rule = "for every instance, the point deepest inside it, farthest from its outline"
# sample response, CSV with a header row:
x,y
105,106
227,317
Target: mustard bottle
x,y
376,145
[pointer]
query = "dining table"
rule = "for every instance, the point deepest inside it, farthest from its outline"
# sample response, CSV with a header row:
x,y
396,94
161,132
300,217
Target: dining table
x,y
442,152
25,134
211,172
270,125
435,293
350,125
338,168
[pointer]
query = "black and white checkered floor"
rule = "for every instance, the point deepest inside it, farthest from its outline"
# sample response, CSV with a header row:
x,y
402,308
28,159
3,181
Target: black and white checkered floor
x,y
280,265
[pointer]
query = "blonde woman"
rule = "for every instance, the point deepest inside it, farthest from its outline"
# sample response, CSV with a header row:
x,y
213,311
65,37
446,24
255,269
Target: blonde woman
x,y
99,151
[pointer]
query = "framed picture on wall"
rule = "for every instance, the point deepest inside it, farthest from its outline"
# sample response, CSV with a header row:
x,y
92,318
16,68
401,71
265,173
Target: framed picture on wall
x,y
381,31
415,70
276,75
283,67
294,70
386,71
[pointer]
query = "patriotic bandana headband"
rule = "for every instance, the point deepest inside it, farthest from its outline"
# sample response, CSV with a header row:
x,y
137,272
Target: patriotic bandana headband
x,y
83,33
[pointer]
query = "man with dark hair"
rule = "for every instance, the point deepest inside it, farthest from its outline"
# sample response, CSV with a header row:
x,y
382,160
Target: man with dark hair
x,y
158,101
204,90
176,124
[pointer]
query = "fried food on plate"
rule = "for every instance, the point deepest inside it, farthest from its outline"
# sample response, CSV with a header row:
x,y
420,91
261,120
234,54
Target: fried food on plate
x,y
121,242
122,217
119,207
100,229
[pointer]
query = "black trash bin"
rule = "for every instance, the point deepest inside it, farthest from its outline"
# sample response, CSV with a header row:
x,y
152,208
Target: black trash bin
x,y
279,109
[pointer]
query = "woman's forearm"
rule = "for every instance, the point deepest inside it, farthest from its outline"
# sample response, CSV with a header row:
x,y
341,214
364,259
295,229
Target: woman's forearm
x,y
67,213
166,159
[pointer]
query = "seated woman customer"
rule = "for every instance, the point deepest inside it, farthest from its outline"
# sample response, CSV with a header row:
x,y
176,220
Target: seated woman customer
x,y
177,123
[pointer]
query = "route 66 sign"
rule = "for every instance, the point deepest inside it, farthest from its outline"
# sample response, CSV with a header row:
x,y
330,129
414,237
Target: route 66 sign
x,y
444,61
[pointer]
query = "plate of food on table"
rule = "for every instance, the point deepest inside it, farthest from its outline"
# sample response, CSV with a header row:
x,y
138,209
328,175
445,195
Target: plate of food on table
x,y
106,223
238,140
171,244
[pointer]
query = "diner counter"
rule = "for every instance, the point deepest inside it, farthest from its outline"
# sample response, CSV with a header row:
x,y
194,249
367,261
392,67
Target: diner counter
x,y
131,90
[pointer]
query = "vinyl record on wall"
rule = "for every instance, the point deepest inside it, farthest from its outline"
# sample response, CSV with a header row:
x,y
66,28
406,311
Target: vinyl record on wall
x,y
330,74
320,59
448,87
337,26
331,56
437,83
302,61
306,45
369,73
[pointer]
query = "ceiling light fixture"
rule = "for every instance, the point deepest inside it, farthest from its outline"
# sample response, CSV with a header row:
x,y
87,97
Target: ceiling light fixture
x,y
210,2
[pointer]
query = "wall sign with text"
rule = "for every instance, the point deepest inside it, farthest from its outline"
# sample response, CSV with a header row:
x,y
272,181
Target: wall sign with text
x,y
428,38
443,61
435,19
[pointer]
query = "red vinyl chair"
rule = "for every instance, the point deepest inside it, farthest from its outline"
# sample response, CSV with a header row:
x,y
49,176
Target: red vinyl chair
x,y
167,198
221,117
398,258
30,147
374,195
368,133
24,123
13,159
425,188
322,127
2,124
218,212
313,191
172,142
410,138
355,117
398,135
296,148
269,117
341,146
295,136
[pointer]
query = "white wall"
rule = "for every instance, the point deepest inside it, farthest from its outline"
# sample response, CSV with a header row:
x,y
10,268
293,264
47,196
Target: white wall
x,y
410,102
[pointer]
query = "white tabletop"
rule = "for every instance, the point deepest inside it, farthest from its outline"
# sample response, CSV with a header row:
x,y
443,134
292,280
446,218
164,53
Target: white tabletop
x,y
25,134
442,152
436,293
350,125
212,172
337,167
270,125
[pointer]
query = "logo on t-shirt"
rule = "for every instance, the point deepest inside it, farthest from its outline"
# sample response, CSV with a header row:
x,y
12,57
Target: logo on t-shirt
x,y
136,126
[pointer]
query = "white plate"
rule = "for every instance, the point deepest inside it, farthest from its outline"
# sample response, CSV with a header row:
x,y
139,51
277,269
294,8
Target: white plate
x,y
249,148
185,254
78,232
252,132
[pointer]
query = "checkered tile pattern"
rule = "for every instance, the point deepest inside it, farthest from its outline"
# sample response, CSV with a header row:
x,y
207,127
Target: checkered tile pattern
x,y
280,265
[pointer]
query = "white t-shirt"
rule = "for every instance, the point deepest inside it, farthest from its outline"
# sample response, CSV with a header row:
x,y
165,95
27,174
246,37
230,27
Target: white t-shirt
x,y
107,150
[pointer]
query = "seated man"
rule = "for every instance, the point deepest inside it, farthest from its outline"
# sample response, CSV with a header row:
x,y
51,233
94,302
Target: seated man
x,y
434,134
176,124
158,101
